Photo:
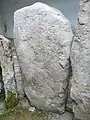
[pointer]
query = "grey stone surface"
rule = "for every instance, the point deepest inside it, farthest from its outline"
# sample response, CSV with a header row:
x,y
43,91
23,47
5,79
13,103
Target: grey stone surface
x,y
80,59
23,103
65,116
17,73
69,8
42,37
11,74
1,106
7,64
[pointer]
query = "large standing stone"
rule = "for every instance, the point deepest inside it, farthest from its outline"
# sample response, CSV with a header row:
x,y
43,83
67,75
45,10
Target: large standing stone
x,y
42,38
80,59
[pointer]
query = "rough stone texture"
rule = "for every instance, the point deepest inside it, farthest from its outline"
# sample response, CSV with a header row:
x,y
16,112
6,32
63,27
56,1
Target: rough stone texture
x,y
1,106
80,59
69,102
42,38
23,103
11,73
17,73
65,116
7,64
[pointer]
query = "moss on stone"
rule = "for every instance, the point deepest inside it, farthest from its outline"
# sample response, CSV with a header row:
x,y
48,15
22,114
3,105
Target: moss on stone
x,y
11,100
68,109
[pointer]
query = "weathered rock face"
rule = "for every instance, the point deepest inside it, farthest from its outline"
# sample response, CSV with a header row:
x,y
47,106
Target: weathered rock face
x,y
11,74
7,64
65,116
42,38
80,59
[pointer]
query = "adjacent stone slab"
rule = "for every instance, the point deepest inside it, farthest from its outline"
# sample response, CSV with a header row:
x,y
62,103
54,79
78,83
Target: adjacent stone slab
x,y
1,107
80,59
42,37
7,64
10,78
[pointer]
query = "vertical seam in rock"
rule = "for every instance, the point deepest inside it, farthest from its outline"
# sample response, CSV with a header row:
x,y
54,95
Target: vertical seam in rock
x,y
14,71
68,81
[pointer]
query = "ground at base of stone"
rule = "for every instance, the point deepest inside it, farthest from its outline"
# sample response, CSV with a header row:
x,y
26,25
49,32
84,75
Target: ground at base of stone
x,y
23,114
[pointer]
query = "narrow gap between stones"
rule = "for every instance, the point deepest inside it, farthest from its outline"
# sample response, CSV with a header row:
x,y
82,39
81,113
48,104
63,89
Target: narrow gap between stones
x,y
2,90
68,85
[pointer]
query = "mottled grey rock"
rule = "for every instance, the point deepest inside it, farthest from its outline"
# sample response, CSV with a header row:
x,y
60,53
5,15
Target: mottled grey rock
x,y
42,37
17,73
2,106
7,64
65,116
23,103
80,59
11,75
